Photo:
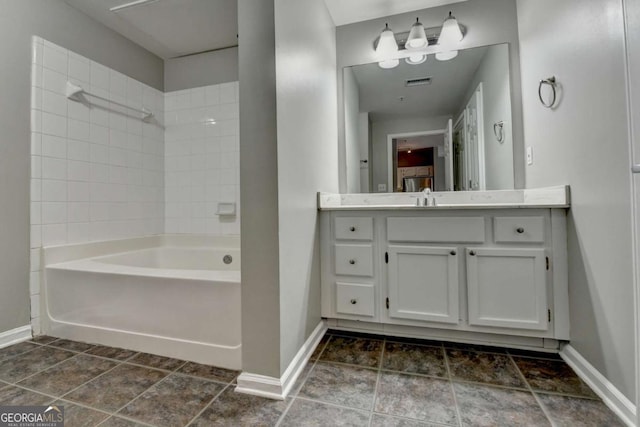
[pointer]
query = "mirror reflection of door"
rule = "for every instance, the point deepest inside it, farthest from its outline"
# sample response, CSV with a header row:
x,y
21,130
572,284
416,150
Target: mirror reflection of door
x,y
418,162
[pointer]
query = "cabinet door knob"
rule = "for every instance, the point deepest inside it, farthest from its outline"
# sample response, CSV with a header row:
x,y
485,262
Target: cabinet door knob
x,y
520,230
472,253
452,253
352,229
352,261
354,301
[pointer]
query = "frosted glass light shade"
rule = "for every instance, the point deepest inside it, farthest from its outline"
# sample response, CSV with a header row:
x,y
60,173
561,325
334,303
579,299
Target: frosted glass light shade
x,y
388,64
387,45
450,35
446,56
416,59
417,37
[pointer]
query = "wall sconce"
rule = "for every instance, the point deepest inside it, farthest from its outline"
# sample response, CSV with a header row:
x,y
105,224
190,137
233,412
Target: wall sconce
x,y
413,45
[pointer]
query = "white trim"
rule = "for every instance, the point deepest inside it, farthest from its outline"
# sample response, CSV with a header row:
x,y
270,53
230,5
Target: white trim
x,y
279,388
609,394
390,138
15,336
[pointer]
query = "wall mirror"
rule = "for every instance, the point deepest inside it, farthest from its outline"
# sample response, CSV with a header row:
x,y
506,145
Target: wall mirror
x,y
445,125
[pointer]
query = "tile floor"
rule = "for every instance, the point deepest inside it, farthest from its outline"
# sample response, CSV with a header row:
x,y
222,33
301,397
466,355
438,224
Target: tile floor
x,y
351,380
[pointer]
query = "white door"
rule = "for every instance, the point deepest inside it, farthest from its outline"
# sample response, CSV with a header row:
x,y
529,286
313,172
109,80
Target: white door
x,y
448,156
474,140
423,283
507,288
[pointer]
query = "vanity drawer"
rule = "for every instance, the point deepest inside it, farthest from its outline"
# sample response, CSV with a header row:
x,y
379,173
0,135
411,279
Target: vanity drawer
x,y
436,230
523,229
354,260
355,299
353,228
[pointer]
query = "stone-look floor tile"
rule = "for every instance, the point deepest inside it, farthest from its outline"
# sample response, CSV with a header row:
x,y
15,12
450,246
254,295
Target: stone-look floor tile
x,y
71,345
115,389
318,350
111,352
567,411
172,402
491,406
17,368
412,358
68,375
316,414
120,422
421,398
354,351
387,421
342,385
78,416
553,376
16,350
237,409
475,347
488,368
16,396
43,339
155,361
209,372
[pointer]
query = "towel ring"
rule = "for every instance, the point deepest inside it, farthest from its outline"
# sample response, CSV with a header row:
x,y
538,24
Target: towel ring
x,y
551,81
498,131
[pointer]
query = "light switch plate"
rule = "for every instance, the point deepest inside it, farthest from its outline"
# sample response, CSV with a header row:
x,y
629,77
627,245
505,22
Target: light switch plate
x,y
382,188
529,155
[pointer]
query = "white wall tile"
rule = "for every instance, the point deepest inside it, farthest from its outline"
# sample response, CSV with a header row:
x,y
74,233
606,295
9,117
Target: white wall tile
x,y
79,130
54,168
54,191
53,102
54,146
54,81
53,124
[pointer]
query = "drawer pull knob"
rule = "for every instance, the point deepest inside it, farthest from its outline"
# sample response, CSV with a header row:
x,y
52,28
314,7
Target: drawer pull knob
x,y
354,301
352,229
520,230
472,253
352,261
452,253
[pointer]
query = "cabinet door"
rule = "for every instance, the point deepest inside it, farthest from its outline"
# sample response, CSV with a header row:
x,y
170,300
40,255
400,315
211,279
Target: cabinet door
x,y
507,288
423,283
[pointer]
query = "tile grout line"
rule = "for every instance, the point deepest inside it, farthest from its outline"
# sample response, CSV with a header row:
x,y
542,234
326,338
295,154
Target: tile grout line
x,y
378,377
535,397
453,391
44,369
208,405
297,392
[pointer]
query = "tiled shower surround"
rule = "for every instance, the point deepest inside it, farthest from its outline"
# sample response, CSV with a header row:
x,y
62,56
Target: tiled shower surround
x,y
99,172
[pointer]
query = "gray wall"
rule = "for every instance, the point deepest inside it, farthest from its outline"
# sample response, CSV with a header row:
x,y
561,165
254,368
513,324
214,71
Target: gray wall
x,y
487,21
307,159
209,68
584,143
259,189
53,20
352,128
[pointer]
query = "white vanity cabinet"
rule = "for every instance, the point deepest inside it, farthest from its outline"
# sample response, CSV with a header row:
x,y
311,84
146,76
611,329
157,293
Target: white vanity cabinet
x,y
486,275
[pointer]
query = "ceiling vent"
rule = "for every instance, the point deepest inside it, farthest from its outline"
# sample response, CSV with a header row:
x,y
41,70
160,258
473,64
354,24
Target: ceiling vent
x,y
418,82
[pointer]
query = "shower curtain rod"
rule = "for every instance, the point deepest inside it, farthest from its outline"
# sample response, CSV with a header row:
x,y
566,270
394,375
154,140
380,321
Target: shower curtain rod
x,y
74,92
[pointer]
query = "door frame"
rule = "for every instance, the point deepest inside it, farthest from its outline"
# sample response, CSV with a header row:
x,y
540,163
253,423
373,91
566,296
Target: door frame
x,y
390,138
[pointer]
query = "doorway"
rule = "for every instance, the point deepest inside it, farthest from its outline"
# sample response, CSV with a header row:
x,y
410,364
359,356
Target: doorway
x,y
416,161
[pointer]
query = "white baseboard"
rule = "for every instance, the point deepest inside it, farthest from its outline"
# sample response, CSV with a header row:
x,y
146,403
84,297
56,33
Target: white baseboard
x,y
279,388
609,394
15,336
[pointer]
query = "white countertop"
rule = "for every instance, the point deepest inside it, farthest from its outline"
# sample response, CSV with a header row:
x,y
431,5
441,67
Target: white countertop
x,y
551,197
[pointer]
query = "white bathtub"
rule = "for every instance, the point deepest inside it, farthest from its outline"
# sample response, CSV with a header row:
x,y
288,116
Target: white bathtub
x,y
167,295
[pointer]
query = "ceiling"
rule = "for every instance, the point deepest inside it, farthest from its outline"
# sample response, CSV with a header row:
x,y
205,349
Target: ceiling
x,y
169,28
349,11
173,28
384,95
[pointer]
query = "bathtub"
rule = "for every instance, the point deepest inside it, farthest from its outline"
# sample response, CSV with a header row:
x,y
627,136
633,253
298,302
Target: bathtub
x,y
176,296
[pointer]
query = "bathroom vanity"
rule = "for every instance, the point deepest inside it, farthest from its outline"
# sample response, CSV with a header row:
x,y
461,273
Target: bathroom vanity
x,y
486,267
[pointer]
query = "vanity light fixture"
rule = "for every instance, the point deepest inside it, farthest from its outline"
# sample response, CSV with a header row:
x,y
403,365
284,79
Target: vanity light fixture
x,y
387,48
415,59
450,36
